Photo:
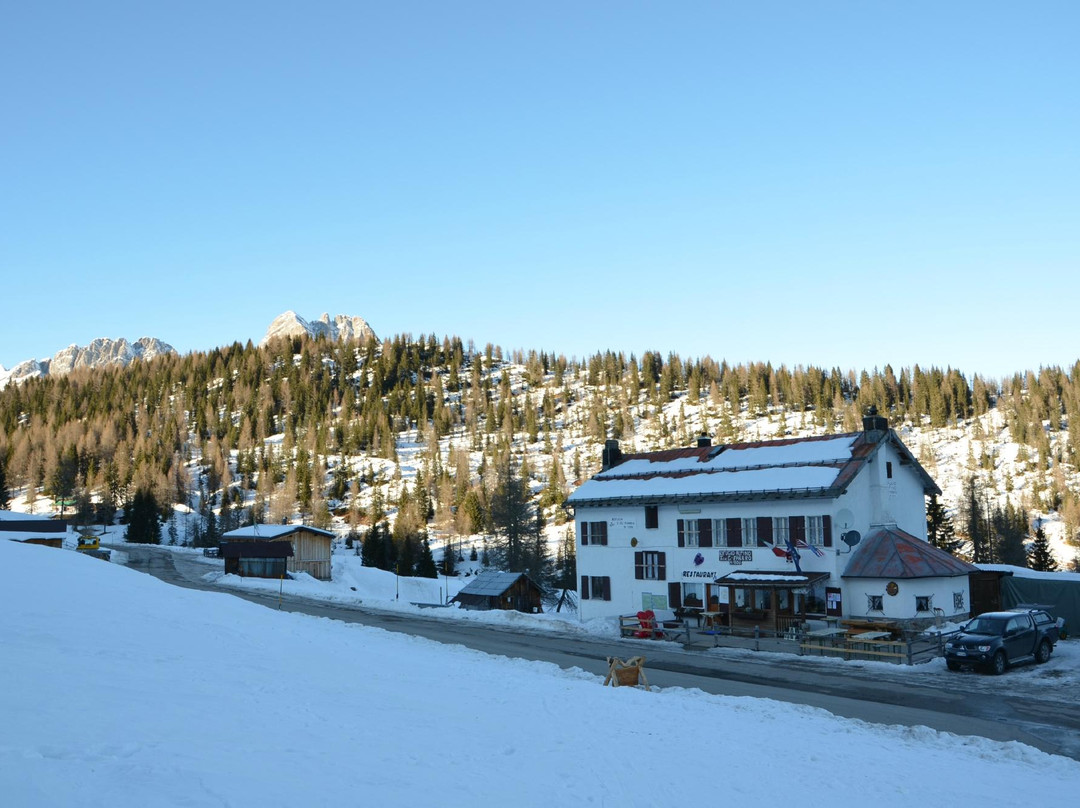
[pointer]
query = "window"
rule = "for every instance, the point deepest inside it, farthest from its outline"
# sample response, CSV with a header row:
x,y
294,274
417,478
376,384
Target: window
x,y
593,532
652,517
958,601
693,594
875,603
780,534
815,530
650,565
924,603
690,533
749,533
888,469
595,587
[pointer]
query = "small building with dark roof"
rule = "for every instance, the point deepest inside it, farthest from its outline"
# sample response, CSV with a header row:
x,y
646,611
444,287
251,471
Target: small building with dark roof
x,y
33,529
257,559
311,546
896,576
508,591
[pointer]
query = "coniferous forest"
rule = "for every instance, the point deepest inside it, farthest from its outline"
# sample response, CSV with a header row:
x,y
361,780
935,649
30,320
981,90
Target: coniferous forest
x,y
406,442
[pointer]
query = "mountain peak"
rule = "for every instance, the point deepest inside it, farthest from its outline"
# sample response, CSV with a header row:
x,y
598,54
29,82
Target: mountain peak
x,y
342,327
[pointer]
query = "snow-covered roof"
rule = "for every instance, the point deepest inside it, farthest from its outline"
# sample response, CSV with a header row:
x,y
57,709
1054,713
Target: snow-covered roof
x,y
821,466
271,531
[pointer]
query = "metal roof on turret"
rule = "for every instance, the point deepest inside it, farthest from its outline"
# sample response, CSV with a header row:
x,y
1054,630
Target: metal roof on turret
x,y
888,552
793,468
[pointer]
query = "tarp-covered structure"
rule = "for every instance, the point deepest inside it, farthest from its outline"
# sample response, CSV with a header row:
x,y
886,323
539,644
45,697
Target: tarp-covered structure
x,y
1058,590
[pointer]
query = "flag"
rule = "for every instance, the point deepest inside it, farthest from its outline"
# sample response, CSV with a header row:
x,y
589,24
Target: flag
x,y
803,545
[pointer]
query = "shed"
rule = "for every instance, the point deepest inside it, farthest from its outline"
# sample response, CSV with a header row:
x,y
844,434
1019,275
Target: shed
x,y
310,545
256,559
508,591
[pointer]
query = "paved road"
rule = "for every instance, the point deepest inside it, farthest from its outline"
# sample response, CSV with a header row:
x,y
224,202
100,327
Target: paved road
x,y
1047,718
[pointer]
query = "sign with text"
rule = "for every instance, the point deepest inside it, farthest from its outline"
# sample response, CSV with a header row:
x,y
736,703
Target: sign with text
x,y
622,523
736,557
709,574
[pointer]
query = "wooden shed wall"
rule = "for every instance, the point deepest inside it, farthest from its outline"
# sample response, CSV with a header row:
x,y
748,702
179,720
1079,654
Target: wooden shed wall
x,y
311,554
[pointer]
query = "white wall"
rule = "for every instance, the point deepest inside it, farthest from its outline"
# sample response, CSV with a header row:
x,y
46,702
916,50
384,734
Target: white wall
x,y
901,606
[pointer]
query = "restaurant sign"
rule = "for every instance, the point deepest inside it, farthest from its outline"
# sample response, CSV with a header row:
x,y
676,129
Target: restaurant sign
x,y
736,557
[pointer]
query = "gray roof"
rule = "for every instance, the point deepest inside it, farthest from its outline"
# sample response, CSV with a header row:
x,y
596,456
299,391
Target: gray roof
x,y
889,552
491,584
272,531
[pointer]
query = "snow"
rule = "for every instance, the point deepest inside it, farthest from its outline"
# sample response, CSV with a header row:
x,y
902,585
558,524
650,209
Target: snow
x,y
789,478
121,690
798,452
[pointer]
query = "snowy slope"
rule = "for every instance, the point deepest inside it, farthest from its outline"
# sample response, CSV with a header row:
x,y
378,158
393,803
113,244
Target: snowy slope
x,y
119,690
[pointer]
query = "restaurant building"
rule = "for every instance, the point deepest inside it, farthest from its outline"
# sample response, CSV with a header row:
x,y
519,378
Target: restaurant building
x,y
762,534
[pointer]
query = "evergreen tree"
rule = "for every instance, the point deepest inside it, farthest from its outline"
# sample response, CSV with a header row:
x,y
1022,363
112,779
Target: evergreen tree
x,y
939,527
1040,556
144,527
449,560
425,564
5,502
406,557
511,516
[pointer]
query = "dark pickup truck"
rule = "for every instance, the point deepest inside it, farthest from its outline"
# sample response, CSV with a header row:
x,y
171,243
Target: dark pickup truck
x,y
996,640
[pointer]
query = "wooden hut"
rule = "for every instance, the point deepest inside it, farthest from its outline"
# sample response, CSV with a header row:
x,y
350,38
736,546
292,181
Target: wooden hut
x,y
256,559
508,591
310,545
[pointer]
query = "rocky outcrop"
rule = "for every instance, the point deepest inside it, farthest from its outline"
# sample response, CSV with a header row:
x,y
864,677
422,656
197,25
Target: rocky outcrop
x,y
342,327
105,352
101,352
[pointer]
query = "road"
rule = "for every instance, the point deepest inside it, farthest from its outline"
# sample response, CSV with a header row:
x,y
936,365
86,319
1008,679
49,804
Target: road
x,y
1047,718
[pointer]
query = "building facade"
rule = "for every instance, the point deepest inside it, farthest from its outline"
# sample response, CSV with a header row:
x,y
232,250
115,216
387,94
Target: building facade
x,y
761,534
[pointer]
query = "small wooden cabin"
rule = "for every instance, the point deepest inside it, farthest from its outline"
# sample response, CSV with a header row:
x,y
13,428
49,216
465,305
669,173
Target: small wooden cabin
x,y
310,545
508,591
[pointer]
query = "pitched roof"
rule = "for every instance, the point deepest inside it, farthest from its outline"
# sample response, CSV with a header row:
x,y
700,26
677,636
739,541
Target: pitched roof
x,y
256,549
821,466
889,552
272,531
492,584
772,579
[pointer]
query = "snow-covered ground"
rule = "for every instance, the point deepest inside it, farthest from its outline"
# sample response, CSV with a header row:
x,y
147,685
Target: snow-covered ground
x,y
117,689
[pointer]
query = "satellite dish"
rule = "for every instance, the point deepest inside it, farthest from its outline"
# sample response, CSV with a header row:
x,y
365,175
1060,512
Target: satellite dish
x,y
851,537
845,518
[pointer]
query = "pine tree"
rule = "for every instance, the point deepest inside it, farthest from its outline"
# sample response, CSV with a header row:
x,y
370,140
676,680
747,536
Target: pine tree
x,y
449,559
939,527
511,516
5,502
1040,556
144,527
425,564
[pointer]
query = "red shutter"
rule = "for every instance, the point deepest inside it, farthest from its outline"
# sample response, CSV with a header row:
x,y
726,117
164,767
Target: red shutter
x,y
734,532
674,595
639,566
607,587
764,531
682,532
704,532
826,529
798,530
584,531
603,532
661,574
585,587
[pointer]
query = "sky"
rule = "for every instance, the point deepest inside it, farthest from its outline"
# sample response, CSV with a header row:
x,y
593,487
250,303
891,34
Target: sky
x,y
833,184
118,689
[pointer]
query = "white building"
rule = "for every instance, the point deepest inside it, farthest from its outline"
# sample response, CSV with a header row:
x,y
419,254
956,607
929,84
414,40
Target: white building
x,y
767,533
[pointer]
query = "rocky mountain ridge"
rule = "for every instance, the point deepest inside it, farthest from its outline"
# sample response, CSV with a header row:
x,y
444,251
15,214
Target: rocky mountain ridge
x,y
101,352
342,327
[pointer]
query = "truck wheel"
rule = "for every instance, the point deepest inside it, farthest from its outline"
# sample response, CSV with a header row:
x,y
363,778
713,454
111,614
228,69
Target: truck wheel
x,y
1043,654
998,664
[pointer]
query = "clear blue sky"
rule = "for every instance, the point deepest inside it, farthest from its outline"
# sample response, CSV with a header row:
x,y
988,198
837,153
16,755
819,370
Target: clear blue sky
x,y
837,184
